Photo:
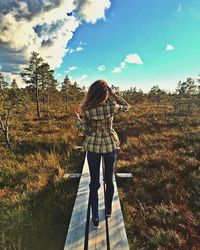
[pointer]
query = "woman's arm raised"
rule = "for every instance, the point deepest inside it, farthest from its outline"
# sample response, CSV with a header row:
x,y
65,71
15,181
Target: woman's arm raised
x,y
121,104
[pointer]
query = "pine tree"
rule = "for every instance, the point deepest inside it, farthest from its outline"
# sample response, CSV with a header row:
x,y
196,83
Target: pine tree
x,y
14,85
186,88
65,90
10,100
31,76
3,83
45,77
48,84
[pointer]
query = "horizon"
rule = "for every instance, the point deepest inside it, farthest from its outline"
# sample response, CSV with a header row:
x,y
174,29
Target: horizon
x,y
130,44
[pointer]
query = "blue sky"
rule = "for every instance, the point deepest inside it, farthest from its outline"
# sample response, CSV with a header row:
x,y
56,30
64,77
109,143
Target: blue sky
x,y
130,43
145,28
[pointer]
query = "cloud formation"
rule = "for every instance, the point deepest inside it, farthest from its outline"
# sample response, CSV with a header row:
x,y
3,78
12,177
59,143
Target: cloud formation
x,y
82,80
72,68
78,49
169,47
92,10
131,59
101,68
44,26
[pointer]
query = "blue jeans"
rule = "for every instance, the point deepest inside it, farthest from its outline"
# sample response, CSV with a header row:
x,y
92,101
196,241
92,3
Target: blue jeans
x,y
94,167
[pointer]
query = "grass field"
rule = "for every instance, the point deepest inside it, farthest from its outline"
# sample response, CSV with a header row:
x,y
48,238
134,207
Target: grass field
x,y
161,203
35,201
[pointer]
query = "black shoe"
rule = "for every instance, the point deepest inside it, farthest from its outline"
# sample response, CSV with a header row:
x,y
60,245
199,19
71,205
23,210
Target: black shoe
x,y
108,212
95,223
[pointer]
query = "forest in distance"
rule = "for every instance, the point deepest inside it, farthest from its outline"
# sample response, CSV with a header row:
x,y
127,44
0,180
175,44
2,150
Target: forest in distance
x,y
160,146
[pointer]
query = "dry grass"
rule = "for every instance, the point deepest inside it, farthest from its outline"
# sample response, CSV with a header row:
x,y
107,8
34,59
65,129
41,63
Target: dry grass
x,y
161,203
35,201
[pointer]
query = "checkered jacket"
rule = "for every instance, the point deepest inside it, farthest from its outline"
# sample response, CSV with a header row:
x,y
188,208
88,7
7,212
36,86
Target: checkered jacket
x,y
96,126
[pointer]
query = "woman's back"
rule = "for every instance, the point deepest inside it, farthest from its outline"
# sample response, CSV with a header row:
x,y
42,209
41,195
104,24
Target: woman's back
x,y
100,140
97,123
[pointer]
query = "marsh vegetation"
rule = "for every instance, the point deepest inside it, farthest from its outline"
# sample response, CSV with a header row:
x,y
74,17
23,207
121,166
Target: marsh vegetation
x,y
160,146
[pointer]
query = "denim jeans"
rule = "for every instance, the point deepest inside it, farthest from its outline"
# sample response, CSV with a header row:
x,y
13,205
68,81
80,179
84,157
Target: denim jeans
x,y
94,167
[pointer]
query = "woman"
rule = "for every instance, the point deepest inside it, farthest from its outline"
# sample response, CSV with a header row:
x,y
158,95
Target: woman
x,y
98,111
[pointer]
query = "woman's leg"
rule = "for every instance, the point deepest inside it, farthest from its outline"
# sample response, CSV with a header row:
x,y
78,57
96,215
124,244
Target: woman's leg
x,y
94,167
109,160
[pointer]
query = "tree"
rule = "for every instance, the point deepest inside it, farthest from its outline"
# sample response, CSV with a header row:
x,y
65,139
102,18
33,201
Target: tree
x,y
31,76
47,84
115,89
198,86
65,90
14,85
155,90
71,92
3,83
186,88
76,92
10,100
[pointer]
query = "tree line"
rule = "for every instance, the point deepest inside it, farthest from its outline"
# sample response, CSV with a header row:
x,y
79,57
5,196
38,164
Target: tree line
x,y
44,90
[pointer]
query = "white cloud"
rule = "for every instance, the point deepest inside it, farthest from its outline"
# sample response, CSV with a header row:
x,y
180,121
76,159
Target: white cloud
x,y
101,68
9,78
82,43
122,65
131,59
78,49
117,70
44,27
22,7
72,68
21,34
80,80
169,47
179,9
92,10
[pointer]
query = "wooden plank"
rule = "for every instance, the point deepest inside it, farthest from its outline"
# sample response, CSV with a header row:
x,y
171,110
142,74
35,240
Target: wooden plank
x,y
78,175
76,231
116,228
124,175
97,237
74,175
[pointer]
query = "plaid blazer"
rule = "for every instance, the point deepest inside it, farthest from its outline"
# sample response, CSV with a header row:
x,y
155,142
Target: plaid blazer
x,y
96,125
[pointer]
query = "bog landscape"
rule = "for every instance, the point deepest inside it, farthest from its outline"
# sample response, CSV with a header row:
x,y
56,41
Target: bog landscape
x,y
160,146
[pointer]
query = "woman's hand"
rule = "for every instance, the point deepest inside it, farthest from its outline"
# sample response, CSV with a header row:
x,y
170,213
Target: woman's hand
x,y
77,112
111,93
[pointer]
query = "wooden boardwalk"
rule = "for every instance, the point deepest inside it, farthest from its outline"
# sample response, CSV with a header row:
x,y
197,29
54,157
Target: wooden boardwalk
x,y
111,233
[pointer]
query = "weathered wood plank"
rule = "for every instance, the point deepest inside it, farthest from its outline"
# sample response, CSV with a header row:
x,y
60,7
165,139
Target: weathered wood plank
x,y
76,231
116,229
78,175
124,175
74,175
97,237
